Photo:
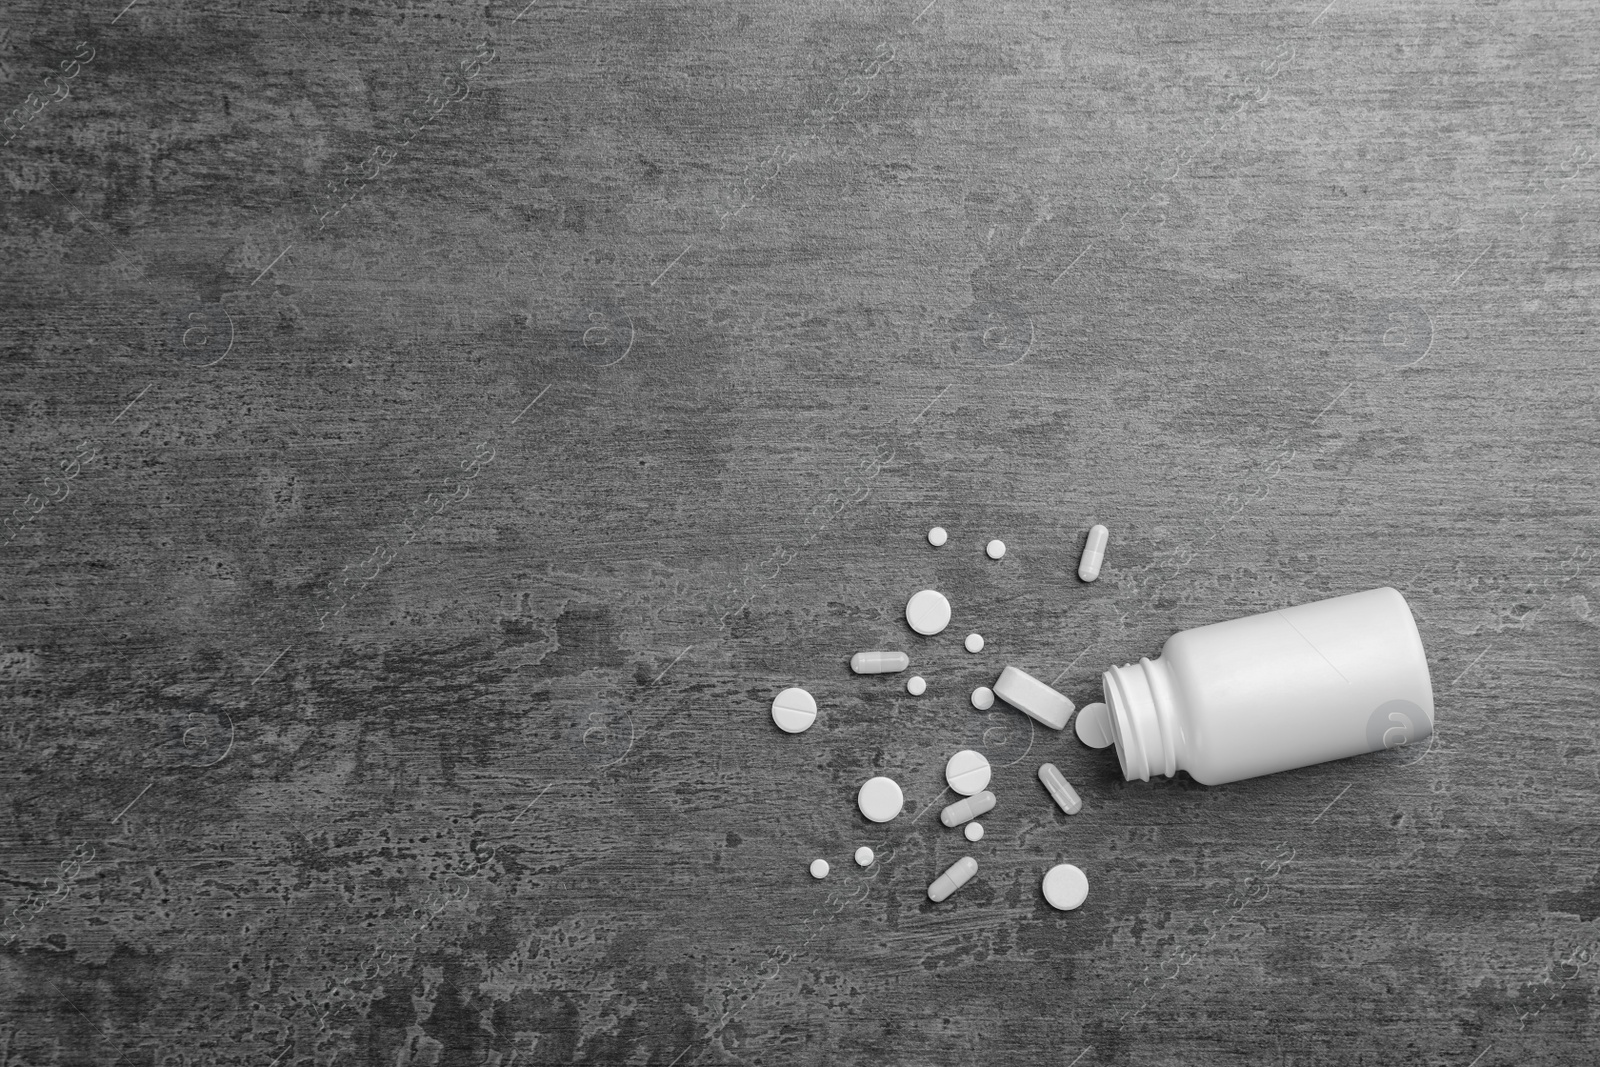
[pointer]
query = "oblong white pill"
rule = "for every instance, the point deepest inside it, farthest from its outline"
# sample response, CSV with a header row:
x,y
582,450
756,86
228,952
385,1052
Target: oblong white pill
x,y
974,642
819,868
1033,698
970,808
1094,551
983,698
916,685
959,874
995,548
1060,789
880,799
879,662
967,772
928,612
1065,887
974,831
937,536
1093,726
864,856
794,710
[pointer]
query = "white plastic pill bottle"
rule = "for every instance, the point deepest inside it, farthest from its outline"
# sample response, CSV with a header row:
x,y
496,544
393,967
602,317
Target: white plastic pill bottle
x,y
1270,692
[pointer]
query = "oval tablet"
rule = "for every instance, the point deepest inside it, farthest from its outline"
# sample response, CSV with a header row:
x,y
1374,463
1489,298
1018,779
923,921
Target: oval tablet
x,y
819,868
1093,726
974,831
974,642
916,686
983,698
959,874
928,612
794,710
996,548
937,536
864,856
1094,550
970,808
967,772
880,799
1065,887
879,662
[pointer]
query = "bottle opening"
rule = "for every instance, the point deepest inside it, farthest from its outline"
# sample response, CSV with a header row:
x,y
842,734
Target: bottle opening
x,y
1136,721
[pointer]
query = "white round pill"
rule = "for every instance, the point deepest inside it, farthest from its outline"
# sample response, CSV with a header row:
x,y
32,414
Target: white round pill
x,y
974,642
983,698
819,868
1065,887
996,548
937,536
880,799
864,856
916,686
974,831
1093,726
967,772
928,612
794,710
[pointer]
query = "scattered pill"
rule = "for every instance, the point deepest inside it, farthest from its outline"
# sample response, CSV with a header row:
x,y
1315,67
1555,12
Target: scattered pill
x,y
879,662
916,686
794,710
996,548
965,810
959,874
983,698
819,868
974,831
967,772
1065,887
974,642
1033,698
1093,725
1094,550
937,536
880,799
864,856
928,612
1060,789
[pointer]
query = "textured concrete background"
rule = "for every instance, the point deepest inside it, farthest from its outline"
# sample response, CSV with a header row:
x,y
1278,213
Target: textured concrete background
x,y
434,432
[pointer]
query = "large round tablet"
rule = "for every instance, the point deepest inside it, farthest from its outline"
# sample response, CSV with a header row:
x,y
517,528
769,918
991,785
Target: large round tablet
x,y
967,772
794,710
1065,887
928,612
880,799
1093,726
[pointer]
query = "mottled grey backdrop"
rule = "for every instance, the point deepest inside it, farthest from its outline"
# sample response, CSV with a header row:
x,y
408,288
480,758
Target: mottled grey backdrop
x,y
433,432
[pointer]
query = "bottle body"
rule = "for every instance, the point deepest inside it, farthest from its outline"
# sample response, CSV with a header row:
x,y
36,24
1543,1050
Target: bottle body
x,y
1275,691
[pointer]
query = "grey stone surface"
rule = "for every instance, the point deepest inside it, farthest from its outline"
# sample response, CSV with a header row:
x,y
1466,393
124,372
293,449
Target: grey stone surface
x,y
434,432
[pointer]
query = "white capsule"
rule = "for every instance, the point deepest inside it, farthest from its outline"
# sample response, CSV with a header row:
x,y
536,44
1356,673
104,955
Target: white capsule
x,y
1065,887
819,868
974,642
967,772
880,799
928,612
864,856
959,874
967,809
794,710
1060,789
1033,698
1094,550
974,831
937,536
1093,726
983,698
879,662
995,548
916,685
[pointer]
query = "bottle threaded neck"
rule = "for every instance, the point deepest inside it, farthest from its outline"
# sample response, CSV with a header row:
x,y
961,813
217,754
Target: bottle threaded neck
x,y
1140,701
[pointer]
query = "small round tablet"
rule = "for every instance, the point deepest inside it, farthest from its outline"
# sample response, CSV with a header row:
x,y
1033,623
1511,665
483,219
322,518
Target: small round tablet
x,y
928,612
983,698
937,536
1065,887
916,686
967,772
974,831
819,868
794,710
880,799
1093,726
974,642
864,856
996,548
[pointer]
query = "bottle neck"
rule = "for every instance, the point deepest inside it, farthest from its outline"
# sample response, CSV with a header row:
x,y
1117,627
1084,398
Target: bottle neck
x,y
1144,724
